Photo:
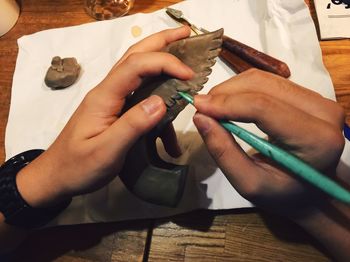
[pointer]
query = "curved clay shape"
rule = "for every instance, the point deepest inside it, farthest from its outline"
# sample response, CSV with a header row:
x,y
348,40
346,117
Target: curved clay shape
x,y
144,172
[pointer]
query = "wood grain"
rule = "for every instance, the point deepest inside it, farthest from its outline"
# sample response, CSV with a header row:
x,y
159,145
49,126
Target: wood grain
x,y
240,235
336,57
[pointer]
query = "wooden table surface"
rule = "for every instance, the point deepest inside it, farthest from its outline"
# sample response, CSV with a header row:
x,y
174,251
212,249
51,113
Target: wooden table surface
x,y
248,235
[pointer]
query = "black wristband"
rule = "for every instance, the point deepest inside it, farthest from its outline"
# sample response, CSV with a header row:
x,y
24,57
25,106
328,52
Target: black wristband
x,y
16,210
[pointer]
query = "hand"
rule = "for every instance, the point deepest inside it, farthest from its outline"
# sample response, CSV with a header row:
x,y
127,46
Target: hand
x,y
90,150
295,118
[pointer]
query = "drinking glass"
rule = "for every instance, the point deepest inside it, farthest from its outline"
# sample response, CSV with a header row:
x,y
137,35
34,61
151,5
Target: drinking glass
x,y
9,12
108,9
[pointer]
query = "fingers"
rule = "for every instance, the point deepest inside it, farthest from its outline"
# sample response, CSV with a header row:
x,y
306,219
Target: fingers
x,y
290,127
230,157
254,178
140,61
258,81
129,74
119,137
139,120
157,41
269,114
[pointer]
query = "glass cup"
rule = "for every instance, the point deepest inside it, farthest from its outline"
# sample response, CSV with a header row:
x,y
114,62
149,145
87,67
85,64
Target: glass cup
x,y
108,9
9,12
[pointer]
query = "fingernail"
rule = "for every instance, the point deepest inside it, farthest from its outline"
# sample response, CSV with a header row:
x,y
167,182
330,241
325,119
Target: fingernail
x,y
186,71
202,98
189,71
152,104
202,123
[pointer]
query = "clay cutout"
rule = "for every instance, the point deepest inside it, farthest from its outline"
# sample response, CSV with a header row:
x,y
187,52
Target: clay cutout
x,y
144,173
62,72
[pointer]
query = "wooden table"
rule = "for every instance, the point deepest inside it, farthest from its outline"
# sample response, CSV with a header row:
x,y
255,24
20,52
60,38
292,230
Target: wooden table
x,y
199,236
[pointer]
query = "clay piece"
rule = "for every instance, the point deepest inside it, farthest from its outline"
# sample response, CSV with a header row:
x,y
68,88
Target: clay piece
x,y
144,173
62,72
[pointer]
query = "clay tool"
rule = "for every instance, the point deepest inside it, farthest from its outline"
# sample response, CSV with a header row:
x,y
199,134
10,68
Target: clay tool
x,y
240,57
285,159
179,16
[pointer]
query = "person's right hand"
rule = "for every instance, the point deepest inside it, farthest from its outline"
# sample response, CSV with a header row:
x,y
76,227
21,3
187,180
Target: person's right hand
x,y
297,119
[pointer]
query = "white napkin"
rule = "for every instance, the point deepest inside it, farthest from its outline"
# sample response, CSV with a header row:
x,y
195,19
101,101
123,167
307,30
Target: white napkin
x,y
283,29
333,18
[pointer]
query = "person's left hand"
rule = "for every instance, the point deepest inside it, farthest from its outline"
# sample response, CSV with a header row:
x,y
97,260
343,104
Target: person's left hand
x,y
90,150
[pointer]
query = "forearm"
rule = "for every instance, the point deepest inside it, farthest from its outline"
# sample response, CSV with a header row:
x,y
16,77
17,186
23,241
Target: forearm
x,y
330,225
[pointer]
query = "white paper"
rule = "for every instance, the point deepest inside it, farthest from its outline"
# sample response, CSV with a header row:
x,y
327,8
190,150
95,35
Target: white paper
x,y
283,29
333,18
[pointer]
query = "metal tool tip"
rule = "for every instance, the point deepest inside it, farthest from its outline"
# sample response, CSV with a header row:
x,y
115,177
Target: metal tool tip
x,y
174,12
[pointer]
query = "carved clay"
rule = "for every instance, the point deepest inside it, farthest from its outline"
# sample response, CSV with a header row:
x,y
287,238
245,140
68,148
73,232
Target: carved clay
x,y
144,173
62,72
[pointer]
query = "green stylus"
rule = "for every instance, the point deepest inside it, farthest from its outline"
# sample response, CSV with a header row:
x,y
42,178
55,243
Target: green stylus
x,y
285,159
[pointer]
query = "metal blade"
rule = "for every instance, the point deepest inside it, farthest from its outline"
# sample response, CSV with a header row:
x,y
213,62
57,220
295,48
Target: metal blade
x,y
178,16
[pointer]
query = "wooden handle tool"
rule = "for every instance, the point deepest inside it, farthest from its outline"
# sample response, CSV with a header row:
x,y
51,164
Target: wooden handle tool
x,y
238,56
254,57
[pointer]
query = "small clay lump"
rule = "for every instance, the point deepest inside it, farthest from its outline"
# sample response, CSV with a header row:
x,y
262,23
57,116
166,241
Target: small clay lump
x,y
62,72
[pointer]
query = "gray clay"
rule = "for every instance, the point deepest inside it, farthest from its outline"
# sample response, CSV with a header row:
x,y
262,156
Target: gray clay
x,y
144,173
62,72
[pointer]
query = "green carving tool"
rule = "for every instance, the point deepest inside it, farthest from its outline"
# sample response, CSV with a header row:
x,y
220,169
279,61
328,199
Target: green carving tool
x,y
285,159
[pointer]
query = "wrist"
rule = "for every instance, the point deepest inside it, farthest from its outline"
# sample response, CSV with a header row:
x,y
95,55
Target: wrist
x,y
41,207
37,185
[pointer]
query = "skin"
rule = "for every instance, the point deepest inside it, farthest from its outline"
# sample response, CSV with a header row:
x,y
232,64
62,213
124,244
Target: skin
x,y
92,134
296,119
90,137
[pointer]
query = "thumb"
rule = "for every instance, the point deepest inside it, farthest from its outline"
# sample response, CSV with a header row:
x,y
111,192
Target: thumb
x,y
138,120
239,169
